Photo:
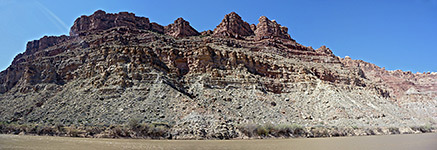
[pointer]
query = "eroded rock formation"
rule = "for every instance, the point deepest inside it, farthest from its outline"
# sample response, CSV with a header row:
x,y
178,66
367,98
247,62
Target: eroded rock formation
x,y
233,26
180,28
101,20
270,29
114,67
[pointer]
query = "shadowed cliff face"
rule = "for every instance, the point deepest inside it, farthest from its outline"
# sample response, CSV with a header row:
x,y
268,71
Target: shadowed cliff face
x,y
114,67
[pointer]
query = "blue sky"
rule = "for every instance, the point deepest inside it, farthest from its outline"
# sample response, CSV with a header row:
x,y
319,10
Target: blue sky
x,y
395,34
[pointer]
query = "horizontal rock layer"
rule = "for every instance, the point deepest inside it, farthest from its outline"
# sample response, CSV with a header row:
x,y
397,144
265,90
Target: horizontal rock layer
x,y
115,67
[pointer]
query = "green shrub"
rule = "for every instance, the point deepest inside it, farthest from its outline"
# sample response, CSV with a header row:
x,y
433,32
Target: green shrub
x,y
262,131
298,130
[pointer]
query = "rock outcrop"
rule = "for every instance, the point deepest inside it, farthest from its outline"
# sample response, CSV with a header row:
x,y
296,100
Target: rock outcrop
x,y
101,20
44,43
415,91
267,29
207,32
115,67
180,28
324,50
233,26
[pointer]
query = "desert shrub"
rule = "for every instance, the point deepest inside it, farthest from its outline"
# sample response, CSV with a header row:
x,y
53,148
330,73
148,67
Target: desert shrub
x,y
8,128
262,131
94,130
319,132
60,129
298,130
423,129
349,131
45,130
22,128
143,130
32,129
159,132
369,131
2,127
13,128
335,132
284,130
117,131
133,124
248,129
155,124
271,129
379,130
394,130
72,132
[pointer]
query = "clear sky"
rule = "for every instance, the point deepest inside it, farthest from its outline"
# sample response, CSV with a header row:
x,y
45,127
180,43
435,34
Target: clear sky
x,y
395,34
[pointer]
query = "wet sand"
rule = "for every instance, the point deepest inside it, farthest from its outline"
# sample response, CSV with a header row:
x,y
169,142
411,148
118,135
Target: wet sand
x,y
426,141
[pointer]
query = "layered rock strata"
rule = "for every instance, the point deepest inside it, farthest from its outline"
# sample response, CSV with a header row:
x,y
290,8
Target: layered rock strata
x,y
115,67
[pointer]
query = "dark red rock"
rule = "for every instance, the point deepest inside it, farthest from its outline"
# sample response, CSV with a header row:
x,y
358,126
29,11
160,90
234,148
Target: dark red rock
x,y
44,42
253,27
101,20
233,26
156,27
267,29
180,28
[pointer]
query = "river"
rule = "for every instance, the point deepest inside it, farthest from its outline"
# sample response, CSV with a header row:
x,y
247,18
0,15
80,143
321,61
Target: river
x,y
399,142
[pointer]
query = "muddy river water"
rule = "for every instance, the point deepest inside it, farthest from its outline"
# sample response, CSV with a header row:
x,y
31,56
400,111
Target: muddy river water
x,y
398,142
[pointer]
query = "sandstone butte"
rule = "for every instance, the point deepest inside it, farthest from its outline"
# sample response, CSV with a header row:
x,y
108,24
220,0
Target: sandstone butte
x,y
116,67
